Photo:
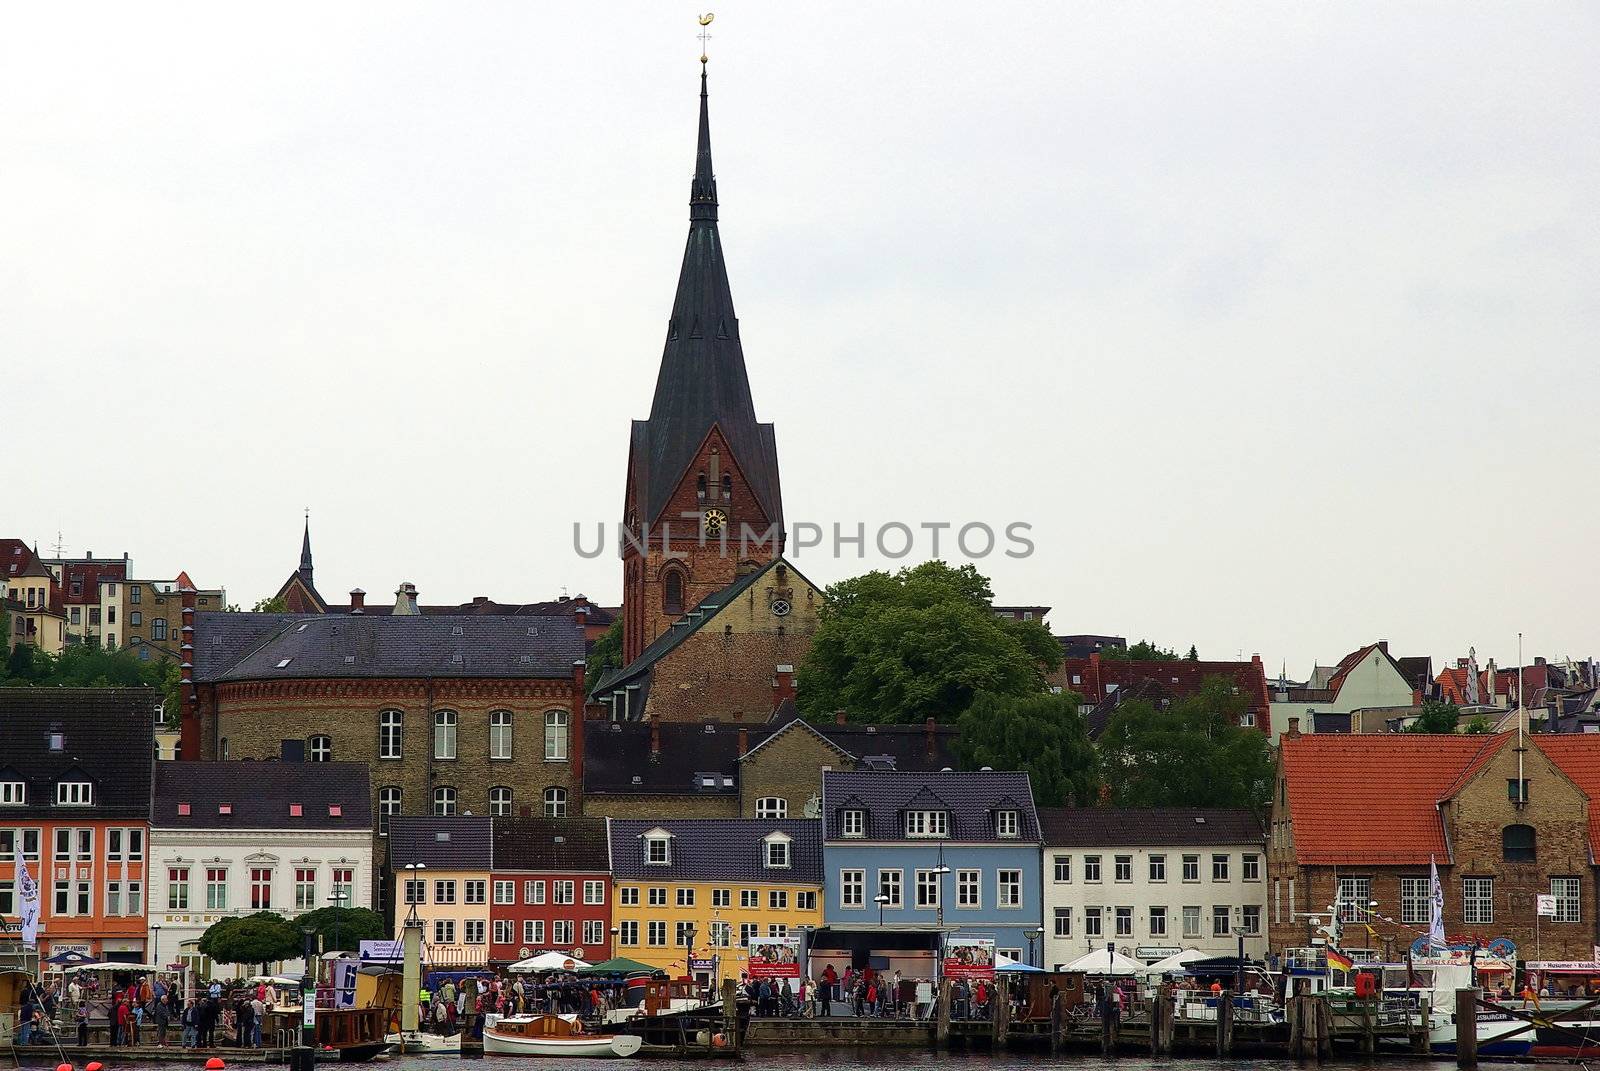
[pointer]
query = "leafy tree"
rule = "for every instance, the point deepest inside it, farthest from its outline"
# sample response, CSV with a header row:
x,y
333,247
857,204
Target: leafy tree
x,y
605,655
274,605
1144,651
1191,754
257,939
1043,735
1437,717
343,928
1479,724
920,643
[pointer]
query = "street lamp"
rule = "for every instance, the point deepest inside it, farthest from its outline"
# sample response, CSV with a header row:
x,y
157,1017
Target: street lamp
x,y
882,899
337,899
308,1003
1035,934
155,951
414,873
938,872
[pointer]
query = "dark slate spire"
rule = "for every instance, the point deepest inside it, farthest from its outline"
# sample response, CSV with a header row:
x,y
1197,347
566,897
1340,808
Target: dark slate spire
x,y
702,381
304,571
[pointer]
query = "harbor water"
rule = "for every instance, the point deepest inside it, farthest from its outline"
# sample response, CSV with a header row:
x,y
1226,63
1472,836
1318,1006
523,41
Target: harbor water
x,y
862,1058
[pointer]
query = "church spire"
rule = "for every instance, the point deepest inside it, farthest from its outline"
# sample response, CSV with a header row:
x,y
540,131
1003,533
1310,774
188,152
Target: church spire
x,y
304,571
703,191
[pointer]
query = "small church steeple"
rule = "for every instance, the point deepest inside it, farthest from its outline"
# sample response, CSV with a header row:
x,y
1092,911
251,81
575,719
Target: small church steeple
x,y
304,572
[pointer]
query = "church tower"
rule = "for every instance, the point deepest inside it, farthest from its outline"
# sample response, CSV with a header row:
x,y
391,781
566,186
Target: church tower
x,y
702,471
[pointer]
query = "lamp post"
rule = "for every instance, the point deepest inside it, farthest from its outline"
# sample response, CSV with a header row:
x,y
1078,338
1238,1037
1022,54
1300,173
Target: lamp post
x,y
882,900
1035,934
337,898
155,948
688,949
939,871
304,1058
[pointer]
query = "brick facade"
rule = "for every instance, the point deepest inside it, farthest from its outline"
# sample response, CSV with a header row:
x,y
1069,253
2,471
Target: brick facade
x,y
789,767
653,807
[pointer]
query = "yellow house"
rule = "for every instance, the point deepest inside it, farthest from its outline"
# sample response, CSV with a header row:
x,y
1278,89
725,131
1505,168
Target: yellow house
x,y
32,600
441,871
690,893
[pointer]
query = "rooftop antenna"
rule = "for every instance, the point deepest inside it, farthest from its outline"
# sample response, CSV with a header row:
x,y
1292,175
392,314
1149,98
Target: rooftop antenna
x,y
60,544
705,35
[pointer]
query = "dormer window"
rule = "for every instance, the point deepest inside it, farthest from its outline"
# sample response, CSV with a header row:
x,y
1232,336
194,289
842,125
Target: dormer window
x,y
658,848
74,793
775,848
58,742
184,809
854,823
927,823
1007,823
13,793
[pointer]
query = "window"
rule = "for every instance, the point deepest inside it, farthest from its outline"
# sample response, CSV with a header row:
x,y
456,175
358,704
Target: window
x,y
1158,922
555,736
561,931
1354,898
772,807
1091,868
1091,922
778,900
416,891
927,823
444,734
1517,844
500,801
1477,895
1220,918
855,822
658,896
342,884
135,618
1252,920
656,934
305,889
1219,868
504,931
499,734
721,897
1063,917
672,592
749,899
1414,900
13,793
927,889
1122,868
1277,900
1252,867
114,845
889,887
1010,887
777,855
658,851
1124,921
852,888
748,930
555,802
533,931
391,734
474,891
260,888
1063,868
444,801
1191,922
444,931
628,932
721,934
74,794
113,898
594,931
319,749
444,891
628,896
505,892
1191,868
594,892
1007,824
158,628
388,806
805,901
533,892
1566,890
1517,791
135,845
178,888
216,888
135,595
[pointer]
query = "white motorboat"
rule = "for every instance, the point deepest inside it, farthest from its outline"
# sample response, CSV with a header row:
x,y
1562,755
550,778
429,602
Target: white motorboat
x,y
554,1035
419,1043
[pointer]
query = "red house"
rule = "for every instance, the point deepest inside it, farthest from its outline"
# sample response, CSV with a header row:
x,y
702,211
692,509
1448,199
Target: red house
x,y
550,889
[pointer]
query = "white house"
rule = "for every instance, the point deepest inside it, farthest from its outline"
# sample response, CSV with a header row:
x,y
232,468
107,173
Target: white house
x,y
1368,687
232,838
1152,882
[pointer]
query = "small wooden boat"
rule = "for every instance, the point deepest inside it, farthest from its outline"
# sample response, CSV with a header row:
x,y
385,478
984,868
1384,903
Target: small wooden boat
x,y
419,1043
554,1035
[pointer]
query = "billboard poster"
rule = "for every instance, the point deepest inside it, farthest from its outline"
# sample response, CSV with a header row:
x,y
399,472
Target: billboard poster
x,y
969,957
383,951
774,957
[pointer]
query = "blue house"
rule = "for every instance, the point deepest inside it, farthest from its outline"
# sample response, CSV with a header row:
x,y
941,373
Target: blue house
x,y
912,859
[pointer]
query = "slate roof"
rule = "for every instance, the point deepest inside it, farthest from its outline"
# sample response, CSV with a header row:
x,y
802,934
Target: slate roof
x,y
1418,672
551,844
614,753
259,795
971,797
1147,827
1085,644
361,647
107,738
1330,723
459,842
719,849
900,747
1108,682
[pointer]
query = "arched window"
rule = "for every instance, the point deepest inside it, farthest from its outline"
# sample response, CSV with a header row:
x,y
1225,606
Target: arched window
x,y
700,486
319,749
500,801
555,736
1517,844
388,806
444,734
444,801
672,591
391,734
772,807
499,734
727,487
555,802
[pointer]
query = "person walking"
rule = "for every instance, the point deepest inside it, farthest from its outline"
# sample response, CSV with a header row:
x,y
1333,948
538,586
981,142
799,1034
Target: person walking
x,y
190,1023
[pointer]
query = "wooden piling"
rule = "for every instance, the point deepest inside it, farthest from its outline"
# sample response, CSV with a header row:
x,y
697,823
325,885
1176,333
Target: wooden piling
x,y
1419,1040
1168,1003
1225,1024
941,1025
730,1015
1466,1028
1002,1017
1369,1026
1057,1022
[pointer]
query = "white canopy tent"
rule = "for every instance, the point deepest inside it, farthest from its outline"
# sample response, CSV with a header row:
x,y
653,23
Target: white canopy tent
x,y
1103,961
547,961
1175,962
1003,962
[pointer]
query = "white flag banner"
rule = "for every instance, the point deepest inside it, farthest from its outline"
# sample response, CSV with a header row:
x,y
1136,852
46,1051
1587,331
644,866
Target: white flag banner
x,y
28,900
1436,941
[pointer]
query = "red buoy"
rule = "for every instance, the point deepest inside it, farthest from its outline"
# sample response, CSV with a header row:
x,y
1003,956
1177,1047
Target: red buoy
x,y
93,1065
63,1067
215,1064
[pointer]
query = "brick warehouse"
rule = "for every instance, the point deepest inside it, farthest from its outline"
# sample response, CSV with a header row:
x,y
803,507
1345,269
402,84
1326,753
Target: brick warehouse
x,y
1356,819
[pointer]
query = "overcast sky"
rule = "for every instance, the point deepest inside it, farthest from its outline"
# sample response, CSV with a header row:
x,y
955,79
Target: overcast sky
x,y
1276,322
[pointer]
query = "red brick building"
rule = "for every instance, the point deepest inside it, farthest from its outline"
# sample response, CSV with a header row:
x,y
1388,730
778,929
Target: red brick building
x,y
1105,683
550,889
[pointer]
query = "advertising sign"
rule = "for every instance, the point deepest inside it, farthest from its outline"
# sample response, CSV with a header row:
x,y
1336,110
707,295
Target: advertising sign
x,y
1546,904
383,951
774,957
969,957
1494,955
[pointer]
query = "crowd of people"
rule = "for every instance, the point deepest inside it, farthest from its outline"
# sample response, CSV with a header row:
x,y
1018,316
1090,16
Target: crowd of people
x,y
143,1010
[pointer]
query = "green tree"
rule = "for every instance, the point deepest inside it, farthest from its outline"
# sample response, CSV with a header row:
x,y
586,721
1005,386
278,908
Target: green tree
x,y
1479,724
605,655
1143,651
344,928
1192,754
1193,655
1437,717
259,939
272,605
920,643
1043,735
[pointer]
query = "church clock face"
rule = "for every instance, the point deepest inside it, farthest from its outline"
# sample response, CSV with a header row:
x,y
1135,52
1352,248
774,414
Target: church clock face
x,y
716,520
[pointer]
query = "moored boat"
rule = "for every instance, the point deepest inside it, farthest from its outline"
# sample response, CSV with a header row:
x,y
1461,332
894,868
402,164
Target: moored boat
x,y
417,1042
554,1035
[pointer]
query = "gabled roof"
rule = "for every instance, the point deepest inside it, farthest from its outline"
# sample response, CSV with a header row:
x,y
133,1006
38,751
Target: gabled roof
x,y
615,753
903,747
1107,682
107,735
969,796
1148,827
719,849
1358,657
459,842
551,844
1578,755
259,795
798,725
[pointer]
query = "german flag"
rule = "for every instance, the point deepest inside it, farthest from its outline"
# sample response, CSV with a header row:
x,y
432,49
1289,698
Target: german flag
x,y
1339,960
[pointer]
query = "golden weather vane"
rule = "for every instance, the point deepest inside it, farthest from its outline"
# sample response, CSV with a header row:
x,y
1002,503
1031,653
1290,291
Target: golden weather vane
x,y
705,35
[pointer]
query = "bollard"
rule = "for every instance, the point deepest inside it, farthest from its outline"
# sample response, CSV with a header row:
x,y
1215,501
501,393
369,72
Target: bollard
x,y
1466,1028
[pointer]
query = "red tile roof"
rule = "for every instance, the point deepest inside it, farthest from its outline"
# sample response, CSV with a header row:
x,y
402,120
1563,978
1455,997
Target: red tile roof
x,y
1103,677
1578,755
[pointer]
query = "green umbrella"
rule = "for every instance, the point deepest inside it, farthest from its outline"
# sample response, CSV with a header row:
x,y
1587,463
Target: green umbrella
x,y
620,965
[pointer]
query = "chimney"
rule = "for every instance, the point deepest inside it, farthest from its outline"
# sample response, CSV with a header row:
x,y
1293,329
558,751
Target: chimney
x,y
838,717
782,686
1294,729
580,614
580,670
358,601
932,740
479,600
1383,645
744,740
405,600
655,739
